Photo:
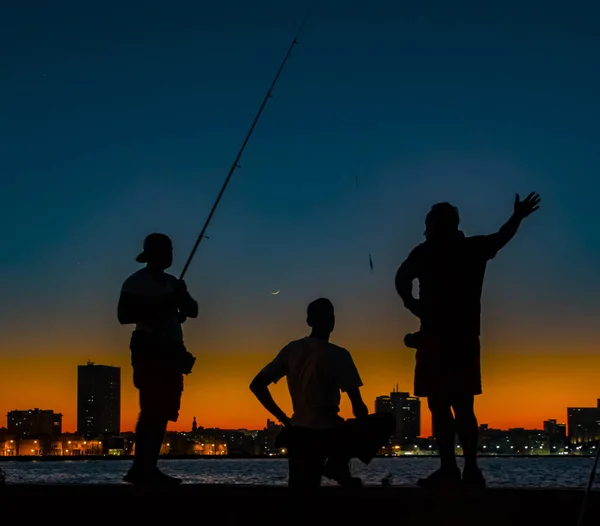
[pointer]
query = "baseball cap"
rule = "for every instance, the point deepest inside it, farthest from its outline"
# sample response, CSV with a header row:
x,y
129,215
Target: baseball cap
x,y
153,244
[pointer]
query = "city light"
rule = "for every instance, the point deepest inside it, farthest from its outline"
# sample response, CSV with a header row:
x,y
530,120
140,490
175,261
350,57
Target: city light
x,y
38,432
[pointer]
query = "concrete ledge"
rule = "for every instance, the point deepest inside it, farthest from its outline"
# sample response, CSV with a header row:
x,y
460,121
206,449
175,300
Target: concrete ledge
x,y
266,505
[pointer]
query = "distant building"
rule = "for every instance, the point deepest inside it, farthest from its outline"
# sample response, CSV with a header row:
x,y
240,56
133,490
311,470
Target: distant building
x,y
384,404
406,409
272,425
556,435
98,400
34,423
583,424
408,416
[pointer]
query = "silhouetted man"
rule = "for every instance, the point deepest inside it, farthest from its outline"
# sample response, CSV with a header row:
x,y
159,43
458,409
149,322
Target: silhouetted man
x,y
157,303
450,269
319,441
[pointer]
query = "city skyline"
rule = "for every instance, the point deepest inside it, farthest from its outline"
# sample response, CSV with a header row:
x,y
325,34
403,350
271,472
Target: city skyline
x,y
133,130
38,432
413,419
244,412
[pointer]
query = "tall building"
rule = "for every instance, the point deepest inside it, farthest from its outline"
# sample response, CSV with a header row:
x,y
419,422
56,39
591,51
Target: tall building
x,y
583,424
406,409
408,416
98,400
34,423
384,404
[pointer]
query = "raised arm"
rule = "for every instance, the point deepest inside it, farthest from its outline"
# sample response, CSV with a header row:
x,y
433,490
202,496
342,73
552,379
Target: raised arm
x,y
405,276
272,373
521,210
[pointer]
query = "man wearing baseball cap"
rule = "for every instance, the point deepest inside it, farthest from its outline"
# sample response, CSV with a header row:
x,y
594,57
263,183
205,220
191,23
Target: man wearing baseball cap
x,y
157,303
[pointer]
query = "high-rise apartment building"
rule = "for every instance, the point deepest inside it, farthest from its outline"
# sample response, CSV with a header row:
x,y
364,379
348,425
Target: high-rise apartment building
x,y
406,409
408,416
98,400
384,404
583,424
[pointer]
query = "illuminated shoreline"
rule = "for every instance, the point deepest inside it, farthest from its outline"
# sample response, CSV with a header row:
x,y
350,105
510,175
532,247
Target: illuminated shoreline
x,y
112,458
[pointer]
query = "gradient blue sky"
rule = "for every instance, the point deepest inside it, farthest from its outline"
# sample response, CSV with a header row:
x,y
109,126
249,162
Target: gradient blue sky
x,y
119,121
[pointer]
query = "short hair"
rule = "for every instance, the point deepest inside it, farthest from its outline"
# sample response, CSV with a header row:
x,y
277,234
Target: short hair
x,y
445,213
319,307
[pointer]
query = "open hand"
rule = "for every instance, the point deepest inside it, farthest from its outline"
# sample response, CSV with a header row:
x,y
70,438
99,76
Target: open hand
x,y
526,207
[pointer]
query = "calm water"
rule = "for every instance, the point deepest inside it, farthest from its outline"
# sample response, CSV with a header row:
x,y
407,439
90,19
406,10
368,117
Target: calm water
x,y
521,472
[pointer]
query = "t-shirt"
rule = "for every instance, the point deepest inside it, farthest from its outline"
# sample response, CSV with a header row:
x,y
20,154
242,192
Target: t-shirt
x,y
145,285
317,371
450,279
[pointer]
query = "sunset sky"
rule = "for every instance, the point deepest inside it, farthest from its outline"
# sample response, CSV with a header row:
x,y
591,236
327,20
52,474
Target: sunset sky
x,y
118,122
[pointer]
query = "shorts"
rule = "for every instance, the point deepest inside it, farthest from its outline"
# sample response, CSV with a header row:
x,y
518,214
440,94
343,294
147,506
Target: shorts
x,y
157,376
448,366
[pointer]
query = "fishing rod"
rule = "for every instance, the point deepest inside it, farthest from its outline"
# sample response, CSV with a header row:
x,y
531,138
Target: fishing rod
x,y
235,164
589,487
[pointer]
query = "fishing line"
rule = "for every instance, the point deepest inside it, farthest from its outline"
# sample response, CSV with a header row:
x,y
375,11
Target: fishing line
x,y
370,258
235,164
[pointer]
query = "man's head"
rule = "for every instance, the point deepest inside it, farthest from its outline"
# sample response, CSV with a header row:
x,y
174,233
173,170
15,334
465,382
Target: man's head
x,y
441,221
320,316
158,252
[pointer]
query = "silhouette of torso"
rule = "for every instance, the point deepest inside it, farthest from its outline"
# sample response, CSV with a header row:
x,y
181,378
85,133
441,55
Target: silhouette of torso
x,y
316,372
143,284
450,279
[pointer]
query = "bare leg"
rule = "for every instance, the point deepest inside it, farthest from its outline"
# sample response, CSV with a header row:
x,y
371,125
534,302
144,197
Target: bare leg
x,y
466,427
444,432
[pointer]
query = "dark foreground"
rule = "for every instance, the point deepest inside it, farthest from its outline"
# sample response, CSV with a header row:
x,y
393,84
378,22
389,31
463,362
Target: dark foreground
x,y
264,506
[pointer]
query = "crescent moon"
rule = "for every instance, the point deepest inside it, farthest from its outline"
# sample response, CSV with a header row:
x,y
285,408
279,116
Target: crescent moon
x,y
276,292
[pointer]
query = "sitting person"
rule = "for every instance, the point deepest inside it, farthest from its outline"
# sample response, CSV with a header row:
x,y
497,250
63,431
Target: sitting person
x,y
319,441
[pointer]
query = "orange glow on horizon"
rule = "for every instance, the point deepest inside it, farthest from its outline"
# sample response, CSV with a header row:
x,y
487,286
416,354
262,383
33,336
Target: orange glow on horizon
x,y
519,390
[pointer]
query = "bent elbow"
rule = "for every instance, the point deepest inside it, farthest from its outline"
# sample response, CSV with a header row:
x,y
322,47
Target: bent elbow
x,y
253,386
402,285
257,384
191,309
405,293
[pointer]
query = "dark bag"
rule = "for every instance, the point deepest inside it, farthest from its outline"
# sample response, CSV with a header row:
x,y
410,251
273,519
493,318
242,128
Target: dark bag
x,y
185,361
